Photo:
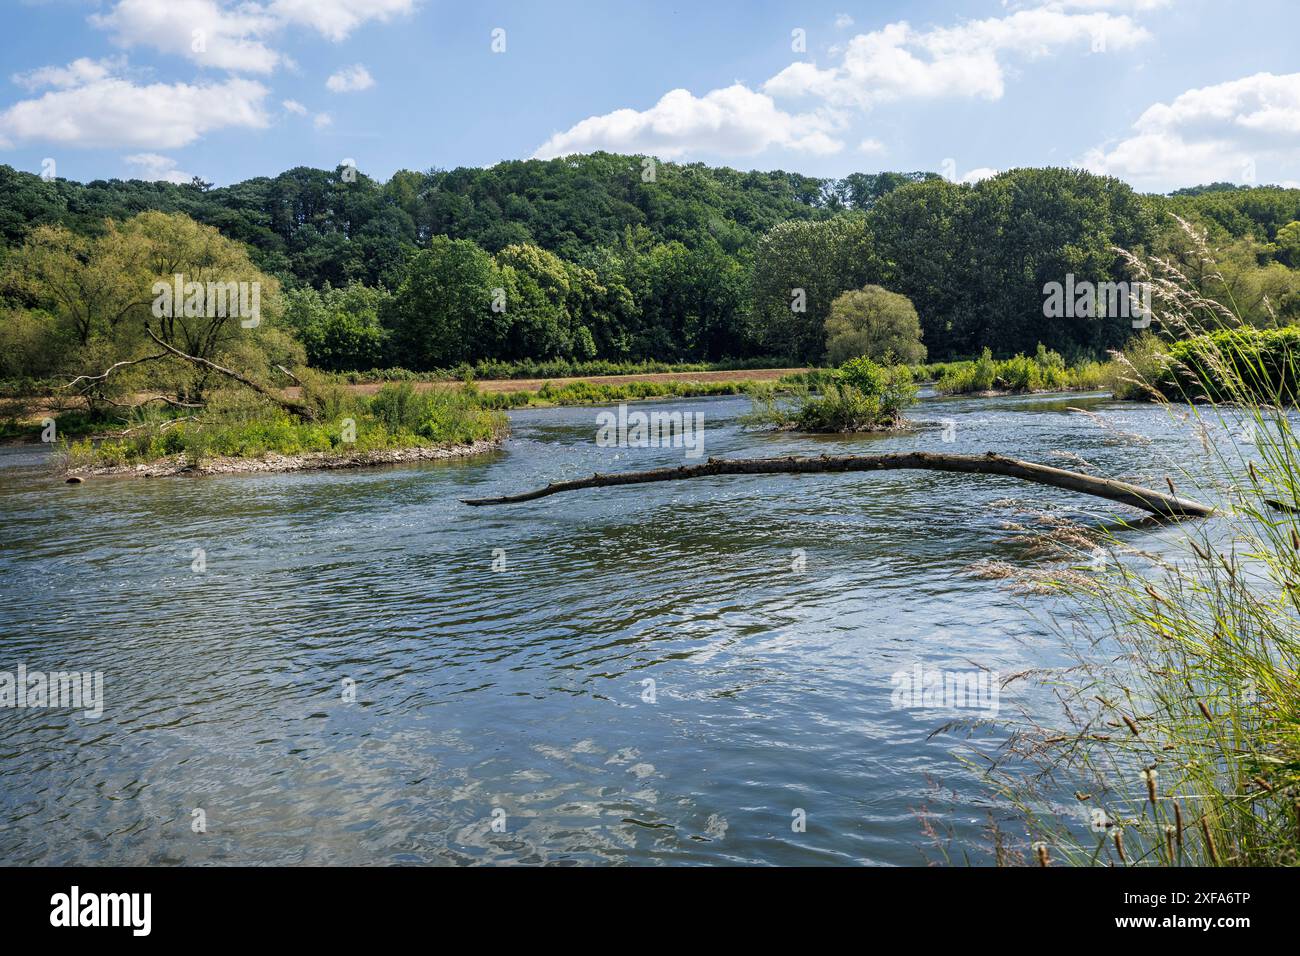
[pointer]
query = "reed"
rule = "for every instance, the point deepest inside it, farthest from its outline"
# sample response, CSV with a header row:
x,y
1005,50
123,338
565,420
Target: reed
x,y
1178,731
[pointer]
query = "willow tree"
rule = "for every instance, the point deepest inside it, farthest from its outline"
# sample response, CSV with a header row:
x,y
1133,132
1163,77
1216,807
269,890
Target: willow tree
x,y
158,302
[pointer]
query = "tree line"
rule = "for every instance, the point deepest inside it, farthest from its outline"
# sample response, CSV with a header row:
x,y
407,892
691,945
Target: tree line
x,y
626,258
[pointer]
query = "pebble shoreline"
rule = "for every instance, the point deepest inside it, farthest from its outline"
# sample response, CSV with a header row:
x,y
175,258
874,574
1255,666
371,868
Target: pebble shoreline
x,y
177,466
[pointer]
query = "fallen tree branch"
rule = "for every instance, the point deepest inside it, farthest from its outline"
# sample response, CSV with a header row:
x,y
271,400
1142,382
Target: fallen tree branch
x,y
1147,499
162,427
296,408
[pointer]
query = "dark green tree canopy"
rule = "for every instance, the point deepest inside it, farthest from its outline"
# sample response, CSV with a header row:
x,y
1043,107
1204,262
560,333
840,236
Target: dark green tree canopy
x,y
629,257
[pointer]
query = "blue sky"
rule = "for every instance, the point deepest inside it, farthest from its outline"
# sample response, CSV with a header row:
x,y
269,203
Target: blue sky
x,y
1162,93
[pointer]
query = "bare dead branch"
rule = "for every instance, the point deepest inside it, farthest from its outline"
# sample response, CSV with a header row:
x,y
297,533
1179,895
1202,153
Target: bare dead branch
x,y
113,368
294,378
170,423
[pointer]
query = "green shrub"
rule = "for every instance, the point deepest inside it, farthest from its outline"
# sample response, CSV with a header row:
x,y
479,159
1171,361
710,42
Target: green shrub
x,y
842,408
1138,371
864,375
897,391
1235,365
860,396
1044,371
399,407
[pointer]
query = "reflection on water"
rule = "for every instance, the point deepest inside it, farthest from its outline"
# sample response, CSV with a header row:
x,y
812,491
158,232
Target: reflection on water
x,y
659,674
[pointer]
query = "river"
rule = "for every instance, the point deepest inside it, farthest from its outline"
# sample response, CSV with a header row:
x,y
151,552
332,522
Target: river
x,y
353,667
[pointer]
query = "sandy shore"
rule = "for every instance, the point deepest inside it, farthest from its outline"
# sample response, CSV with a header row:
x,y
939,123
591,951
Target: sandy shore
x,y
177,466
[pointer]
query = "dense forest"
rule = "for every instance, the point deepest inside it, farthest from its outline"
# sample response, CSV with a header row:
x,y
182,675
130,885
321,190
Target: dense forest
x,y
627,258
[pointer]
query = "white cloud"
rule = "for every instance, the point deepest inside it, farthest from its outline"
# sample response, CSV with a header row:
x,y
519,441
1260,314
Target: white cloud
x,y
322,120
735,121
350,79
153,167
975,175
294,107
896,62
1236,131
111,111
1132,6
336,19
236,34
843,21
83,70
871,147
204,31
899,62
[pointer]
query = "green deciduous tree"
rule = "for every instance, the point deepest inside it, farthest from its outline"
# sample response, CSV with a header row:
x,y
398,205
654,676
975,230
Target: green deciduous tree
x,y
441,313
1286,247
799,269
875,323
104,294
339,328
536,292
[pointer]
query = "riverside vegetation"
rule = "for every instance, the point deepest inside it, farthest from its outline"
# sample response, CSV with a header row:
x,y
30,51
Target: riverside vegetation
x,y
577,265
233,425
858,397
1179,731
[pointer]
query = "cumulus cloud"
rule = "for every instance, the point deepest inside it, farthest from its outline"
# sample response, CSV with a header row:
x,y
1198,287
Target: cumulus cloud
x,y
900,62
111,111
204,31
232,35
336,19
82,70
156,168
350,79
871,147
322,120
896,62
1234,131
735,121
93,103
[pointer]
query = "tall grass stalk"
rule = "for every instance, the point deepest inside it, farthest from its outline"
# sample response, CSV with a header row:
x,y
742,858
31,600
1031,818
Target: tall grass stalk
x,y
1178,736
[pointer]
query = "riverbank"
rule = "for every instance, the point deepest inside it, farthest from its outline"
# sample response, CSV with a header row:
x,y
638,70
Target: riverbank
x,y
22,419
1045,371
174,466
493,386
231,432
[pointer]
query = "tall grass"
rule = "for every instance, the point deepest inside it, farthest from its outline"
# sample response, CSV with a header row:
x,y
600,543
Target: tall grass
x,y
1178,737
1044,371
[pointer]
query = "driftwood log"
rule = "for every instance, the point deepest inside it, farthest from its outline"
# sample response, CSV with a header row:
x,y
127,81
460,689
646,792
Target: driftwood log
x,y
1148,499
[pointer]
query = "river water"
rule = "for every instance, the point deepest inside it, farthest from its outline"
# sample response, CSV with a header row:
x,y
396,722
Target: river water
x,y
360,669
